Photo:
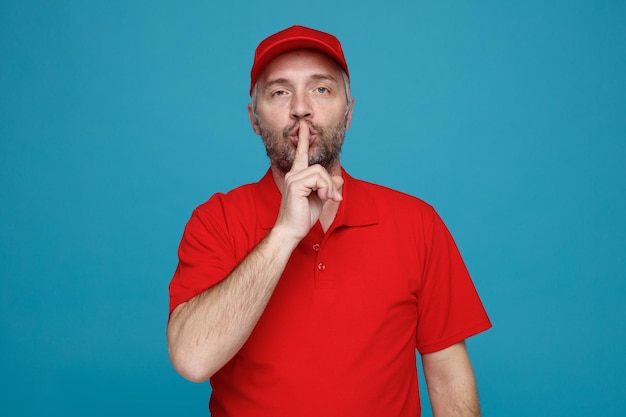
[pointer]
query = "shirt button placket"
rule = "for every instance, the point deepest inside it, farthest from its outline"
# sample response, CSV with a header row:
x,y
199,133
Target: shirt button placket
x,y
320,265
321,279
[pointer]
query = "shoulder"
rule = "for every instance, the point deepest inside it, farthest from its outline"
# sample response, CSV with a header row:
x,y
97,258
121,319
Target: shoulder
x,y
224,209
244,207
242,198
389,199
235,196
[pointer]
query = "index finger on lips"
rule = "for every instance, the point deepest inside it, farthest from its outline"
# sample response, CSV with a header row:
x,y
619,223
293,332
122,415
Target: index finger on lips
x,y
301,161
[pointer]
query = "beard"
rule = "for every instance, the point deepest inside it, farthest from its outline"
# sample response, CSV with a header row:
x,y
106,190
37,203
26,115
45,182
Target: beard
x,y
324,150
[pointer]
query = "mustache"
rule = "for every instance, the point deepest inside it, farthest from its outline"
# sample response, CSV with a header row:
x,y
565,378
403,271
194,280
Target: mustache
x,y
312,127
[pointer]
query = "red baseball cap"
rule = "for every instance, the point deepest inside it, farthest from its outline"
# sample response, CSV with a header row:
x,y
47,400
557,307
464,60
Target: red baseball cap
x,y
295,37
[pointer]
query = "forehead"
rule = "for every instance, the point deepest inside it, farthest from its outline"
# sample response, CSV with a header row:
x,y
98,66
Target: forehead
x,y
301,63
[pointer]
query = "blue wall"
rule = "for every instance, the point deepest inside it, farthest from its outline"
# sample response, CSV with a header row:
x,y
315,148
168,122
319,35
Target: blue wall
x,y
117,118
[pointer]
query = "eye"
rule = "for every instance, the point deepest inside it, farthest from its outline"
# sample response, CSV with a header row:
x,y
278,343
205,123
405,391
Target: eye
x,y
278,93
322,90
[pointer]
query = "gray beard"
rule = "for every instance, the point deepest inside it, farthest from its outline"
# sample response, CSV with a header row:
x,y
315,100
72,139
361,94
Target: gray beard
x,y
324,151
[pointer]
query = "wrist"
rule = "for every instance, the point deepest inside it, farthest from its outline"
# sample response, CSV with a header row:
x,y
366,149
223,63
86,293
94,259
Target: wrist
x,y
283,238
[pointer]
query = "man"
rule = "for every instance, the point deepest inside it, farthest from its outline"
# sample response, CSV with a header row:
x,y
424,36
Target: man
x,y
308,293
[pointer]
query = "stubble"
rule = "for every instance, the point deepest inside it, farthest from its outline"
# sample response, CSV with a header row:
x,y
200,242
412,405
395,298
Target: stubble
x,y
324,150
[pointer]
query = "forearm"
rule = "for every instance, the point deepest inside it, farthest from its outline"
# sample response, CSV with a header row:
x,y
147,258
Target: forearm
x,y
206,332
451,383
457,398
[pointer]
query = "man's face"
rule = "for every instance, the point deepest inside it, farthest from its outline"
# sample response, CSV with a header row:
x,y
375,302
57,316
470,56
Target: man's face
x,y
303,85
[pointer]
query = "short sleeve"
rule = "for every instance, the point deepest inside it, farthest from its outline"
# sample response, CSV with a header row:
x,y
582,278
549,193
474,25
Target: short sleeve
x,y
449,308
205,254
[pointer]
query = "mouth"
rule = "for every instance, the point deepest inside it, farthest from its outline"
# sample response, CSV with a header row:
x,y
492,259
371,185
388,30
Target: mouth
x,y
294,134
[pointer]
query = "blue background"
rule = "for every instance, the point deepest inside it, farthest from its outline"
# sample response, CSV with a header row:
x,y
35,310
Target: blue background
x,y
117,118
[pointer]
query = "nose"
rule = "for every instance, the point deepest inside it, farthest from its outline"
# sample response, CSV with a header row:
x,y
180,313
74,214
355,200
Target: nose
x,y
301,106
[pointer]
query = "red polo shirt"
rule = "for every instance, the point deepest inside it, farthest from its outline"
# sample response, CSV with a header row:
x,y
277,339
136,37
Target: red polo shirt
x,y
339,334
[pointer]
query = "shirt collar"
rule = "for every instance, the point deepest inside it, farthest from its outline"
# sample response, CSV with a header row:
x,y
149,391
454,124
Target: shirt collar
x,y
358,207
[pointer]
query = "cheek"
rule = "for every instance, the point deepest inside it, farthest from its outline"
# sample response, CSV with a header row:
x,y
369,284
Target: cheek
x,y
332,112
273,119
336,120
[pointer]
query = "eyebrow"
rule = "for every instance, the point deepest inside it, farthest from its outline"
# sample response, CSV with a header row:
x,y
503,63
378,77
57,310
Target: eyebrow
x,y
275,81
324,77
315,77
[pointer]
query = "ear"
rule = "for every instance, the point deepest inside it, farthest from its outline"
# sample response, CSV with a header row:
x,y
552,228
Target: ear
x,y
253,121
349,115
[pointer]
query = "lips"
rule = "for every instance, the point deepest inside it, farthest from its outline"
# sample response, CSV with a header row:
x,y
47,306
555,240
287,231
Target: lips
x,y
294,134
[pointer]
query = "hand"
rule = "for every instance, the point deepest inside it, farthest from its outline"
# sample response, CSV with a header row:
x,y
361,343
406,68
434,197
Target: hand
x,y
305,190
